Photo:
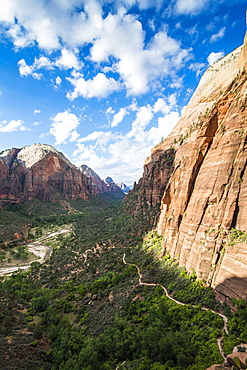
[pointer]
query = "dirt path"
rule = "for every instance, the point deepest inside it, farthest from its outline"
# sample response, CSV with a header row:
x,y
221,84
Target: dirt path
x,y
39,249
225,319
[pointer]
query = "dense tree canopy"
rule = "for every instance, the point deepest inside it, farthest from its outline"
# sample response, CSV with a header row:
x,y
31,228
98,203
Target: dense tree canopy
x,y
85,309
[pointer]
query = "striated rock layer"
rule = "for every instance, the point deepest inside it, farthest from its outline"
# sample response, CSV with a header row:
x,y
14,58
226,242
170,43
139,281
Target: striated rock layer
x,y
40,171
150,188
205,193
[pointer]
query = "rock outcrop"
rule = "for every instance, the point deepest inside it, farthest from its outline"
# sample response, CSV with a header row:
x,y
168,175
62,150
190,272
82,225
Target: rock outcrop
x,y
204,184
236,360
98,185
40,171
150,188
124,187
111,185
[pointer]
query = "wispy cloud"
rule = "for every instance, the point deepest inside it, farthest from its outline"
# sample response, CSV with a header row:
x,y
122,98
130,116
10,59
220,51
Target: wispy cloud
x,y
199,68
13,125
190,7
118,117
217,36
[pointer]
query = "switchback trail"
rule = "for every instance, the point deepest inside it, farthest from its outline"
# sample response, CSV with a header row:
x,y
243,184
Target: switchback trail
x,y
225,319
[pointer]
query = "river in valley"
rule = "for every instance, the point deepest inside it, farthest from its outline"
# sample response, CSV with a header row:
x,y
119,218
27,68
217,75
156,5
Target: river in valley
x,y
38,248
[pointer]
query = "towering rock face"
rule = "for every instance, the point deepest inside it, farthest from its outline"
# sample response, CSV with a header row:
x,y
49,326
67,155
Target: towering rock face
x,y
39,171
98,185
150,188
205,194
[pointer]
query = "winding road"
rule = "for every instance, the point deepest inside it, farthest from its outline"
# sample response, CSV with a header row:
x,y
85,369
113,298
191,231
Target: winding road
x,y
39,249
225,319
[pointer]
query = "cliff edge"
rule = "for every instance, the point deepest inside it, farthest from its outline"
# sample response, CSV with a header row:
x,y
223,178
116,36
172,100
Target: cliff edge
x,y
203,187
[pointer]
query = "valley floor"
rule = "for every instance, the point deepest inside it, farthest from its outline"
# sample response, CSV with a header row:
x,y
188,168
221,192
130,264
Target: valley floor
x,y
107,298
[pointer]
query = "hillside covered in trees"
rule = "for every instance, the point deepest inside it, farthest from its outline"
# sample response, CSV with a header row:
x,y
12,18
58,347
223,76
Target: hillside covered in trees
x,y
98,302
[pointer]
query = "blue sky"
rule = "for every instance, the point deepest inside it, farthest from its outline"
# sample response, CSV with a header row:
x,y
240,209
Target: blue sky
x,y
105,81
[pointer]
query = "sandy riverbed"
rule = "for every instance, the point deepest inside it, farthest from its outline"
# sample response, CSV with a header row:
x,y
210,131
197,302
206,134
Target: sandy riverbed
x,y
39,249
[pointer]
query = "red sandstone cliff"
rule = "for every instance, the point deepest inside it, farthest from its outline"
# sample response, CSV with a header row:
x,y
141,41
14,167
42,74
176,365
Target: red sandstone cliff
x,y
205,188
95,181
98,185
150,188
40,171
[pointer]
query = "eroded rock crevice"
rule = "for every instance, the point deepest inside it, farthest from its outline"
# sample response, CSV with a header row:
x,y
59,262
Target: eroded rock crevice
x,y
236,210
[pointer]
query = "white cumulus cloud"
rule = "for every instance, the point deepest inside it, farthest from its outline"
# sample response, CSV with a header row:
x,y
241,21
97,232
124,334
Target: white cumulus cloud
x,y
24,69
137,64
101,138
100,87
113,154
143,117
42,62
213,57
67,60
165,126
117,39
58,80
165,105
64,127
13,125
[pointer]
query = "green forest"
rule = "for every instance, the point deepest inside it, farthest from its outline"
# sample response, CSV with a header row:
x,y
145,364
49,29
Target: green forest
x,y
86,307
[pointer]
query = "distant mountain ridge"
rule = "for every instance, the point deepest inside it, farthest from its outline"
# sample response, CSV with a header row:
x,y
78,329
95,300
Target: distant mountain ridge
x,y
125,188
40,171
101,186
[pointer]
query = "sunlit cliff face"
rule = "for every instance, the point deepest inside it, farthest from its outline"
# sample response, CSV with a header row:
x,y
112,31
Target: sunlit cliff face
x,y
205,191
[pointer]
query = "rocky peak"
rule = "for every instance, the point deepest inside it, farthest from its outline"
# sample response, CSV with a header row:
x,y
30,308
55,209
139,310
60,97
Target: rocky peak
x,y
99,186
39,171
111,185
90,173
124,187
108,180
95,181
31,154
8,156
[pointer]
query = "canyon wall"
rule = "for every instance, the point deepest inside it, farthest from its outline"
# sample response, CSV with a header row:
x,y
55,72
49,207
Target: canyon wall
x,y
204,191
147,193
